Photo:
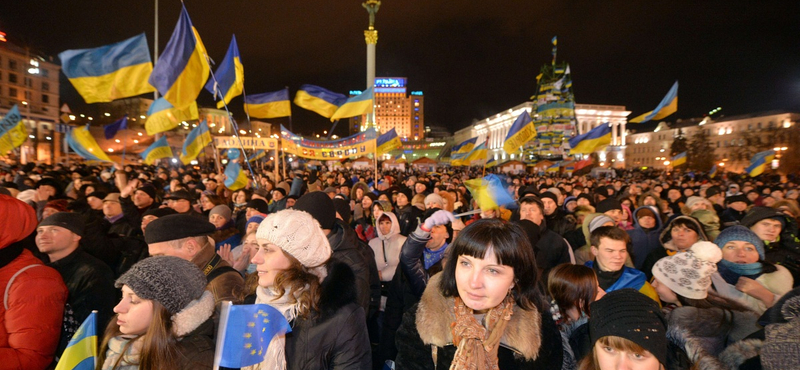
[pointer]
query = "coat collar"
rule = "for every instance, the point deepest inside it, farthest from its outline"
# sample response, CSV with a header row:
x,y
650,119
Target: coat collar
x,y
435,314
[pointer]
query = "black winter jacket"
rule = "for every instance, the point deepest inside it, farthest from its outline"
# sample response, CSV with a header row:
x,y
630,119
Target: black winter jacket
x,y
347,248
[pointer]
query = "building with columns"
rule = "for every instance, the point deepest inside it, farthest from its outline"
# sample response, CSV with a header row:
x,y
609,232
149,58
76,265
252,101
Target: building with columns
x,y
650,147
588,117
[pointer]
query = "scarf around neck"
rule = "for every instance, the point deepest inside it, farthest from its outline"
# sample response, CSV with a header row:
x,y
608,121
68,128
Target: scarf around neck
x,y
130,359
731,271
431,257
605,278
477,345
275,358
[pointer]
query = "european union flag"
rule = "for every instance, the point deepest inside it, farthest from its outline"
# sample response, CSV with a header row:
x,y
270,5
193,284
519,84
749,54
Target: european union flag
x,y
245,332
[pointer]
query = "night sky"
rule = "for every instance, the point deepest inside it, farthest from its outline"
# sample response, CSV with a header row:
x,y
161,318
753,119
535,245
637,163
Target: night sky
x,y
470,58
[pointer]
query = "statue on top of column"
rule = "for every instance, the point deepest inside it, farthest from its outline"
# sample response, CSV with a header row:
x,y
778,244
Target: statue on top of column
x,y
372,7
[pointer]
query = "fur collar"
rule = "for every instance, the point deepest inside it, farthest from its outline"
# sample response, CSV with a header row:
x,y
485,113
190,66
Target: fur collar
x,y
701,359
435,314
196,313
337,290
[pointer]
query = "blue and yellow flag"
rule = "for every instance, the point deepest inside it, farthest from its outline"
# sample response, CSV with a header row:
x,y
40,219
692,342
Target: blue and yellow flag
x,y
319,100
12,131
245,333
489,192
679,159
197,139
388,142
667,106
465,146
491,162
163,116
356,106
182,69
592,141
261,153
713,172
554,168
235,177
82,142
159,149
229,77
478,153
109,72
520,133
268,105
111,130
759,162
81,352
400,159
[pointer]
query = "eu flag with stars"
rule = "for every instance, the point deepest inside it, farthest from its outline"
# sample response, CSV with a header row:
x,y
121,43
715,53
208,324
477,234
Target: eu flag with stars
x,y
245,333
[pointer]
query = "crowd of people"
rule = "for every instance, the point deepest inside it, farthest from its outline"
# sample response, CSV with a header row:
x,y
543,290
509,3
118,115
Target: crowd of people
x,y
402,269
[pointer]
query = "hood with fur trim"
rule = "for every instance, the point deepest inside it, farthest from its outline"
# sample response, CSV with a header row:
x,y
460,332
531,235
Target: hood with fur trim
x,y
193,315
435,315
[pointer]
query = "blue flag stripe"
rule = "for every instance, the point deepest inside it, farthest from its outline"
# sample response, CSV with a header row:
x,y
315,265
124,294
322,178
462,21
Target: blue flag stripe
x,y
105,59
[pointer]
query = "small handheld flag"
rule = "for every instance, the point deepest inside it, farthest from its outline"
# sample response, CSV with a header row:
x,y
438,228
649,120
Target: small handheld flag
x,y
268,105
159,149
388,142
82,142
81,352
489,192
245,332
235,177
197,139
520,133
679,159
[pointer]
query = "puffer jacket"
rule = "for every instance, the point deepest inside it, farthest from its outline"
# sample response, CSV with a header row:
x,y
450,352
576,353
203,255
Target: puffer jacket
x,y
387,248
644,241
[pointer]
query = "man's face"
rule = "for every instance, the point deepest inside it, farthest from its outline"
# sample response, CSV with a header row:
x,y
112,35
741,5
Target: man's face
x,y
179,205
277,195
211,185
438,237
615,214
610,254
186,251
290,202
419,188
583,202
111,208
549,206
54,239
738,206
531,212
673,194
141,199
146,220
647,222
767,229
95,203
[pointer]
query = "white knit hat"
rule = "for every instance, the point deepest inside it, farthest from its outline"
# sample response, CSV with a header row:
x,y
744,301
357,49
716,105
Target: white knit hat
x,y
689,273
298,234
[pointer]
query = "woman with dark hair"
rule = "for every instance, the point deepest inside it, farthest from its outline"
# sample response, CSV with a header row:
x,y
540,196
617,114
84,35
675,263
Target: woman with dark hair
x,y
484,310
163,320
208,201
365,225
679,234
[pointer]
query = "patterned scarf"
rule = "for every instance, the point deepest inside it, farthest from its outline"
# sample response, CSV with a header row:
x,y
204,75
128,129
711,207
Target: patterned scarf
x,y
478,345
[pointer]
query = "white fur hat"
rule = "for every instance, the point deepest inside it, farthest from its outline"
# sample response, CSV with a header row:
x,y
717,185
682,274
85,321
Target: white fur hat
x,y
298,234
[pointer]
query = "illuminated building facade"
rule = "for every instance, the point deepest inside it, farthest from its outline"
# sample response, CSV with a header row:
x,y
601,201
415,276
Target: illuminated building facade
x,y
395,108
30,81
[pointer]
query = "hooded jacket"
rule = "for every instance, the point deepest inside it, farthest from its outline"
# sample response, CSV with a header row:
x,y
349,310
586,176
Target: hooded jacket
x,y
668,248
644,241
387,248
531,339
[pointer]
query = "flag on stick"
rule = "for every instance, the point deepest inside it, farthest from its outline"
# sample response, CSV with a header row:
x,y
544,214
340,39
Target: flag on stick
x,y
81,352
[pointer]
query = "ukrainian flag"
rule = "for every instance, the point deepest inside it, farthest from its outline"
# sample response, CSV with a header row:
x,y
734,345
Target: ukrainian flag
x,y
109,72
12,131
488,192
553,168
592,141
258,155
197,139
679,159
478,153
466,146
82,142
229,76
759,162
520,133
81,352
400,159
182,69
268,105
713,172
356,106
235,177
388,142
491,163
163,116
667,106
159,149
319,100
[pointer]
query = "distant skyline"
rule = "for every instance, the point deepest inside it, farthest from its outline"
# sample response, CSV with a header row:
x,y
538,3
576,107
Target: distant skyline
x,y
471,60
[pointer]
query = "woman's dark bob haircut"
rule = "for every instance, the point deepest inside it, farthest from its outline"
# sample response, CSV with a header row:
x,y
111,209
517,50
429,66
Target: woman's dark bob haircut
x,y
511,247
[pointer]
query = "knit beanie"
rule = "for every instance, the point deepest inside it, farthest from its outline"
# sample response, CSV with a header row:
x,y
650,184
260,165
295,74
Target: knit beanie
x,y
435,199
695,200
171,281
148,189
689,274
320,206
645,211
385,205
628,314
740,233
761,213
599,221
549,195
608,204
586,196
255,218
259,204
299,234
342,209
71,221
221,210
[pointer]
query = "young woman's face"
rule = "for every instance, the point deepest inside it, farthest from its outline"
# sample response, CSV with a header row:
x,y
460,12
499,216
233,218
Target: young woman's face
x,y
483,283
270,260
738,251
134,314
217,220
609,358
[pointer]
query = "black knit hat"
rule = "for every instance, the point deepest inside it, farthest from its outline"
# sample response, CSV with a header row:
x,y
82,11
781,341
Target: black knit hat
x,y
258,204
171,281
174,227
71,221
160,212
549,195
148,189
760,213
342,208
587,197
180,194
319,205
629,314
737,198
608,204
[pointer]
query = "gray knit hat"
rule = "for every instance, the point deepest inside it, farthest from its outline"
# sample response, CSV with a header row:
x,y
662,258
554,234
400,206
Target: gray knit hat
x,y
172,281
221,210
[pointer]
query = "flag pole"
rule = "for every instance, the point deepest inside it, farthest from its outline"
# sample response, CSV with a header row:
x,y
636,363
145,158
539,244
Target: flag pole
x,y
223,323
